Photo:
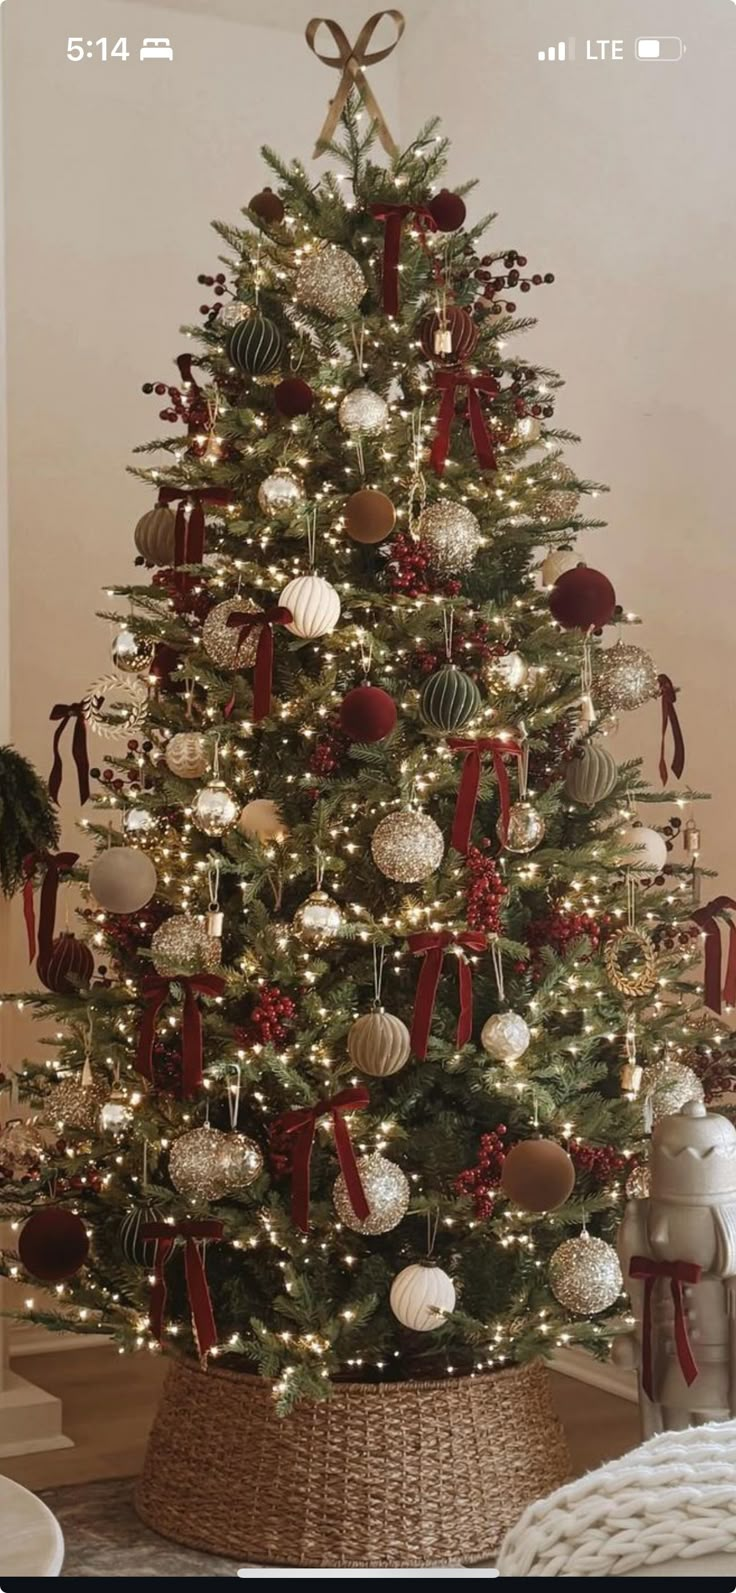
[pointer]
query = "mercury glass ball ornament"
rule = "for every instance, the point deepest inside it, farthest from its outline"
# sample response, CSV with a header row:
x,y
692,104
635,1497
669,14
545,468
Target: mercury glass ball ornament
x,y
210,1164
585,1275
507,672
182,946
386,1191
116,1113
215,810
363,412
220,641
505,1036
407,846
625,678
131,654
666,1086
186,755
525,829
21,1145
233,313
280,493
451,535
331,281
524,432
318,921
140,825
557,498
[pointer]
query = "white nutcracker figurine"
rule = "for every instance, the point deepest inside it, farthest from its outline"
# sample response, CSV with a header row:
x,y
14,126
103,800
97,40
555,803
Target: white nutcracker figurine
x,y
678,1256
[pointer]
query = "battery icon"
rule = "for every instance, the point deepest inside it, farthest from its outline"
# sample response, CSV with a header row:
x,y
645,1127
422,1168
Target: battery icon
x,y
667,48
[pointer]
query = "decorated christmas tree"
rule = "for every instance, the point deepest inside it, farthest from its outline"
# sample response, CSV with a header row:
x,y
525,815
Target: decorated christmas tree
x,y
386,965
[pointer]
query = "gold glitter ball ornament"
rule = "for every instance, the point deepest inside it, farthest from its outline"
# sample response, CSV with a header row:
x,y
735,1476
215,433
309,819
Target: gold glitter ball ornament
x,y
363,412
220,641
182,946
666,1087
215,810
210,1164
557,499
76,1102
525,829
407,846
638,1183
331,281
625,678
280,493
186,755
451,535
386,1191
318,921
585,1275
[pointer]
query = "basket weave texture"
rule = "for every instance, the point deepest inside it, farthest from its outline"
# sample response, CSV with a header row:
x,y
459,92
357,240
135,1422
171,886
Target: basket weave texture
x,y
395,1474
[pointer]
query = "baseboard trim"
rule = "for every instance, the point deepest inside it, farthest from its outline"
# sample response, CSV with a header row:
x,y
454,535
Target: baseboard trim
x,y
31,1340
584,1368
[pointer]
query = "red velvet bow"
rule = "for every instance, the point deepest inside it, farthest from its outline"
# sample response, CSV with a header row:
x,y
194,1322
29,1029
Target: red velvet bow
x,y
244,623
448,383
156,991
189,533
432,946
393,217
668,694
302,1122
467,796
707,917
193,1232
54,864
63,712
678,1273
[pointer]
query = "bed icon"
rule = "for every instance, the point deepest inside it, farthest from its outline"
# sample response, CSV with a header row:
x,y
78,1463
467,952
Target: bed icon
x,y
156,50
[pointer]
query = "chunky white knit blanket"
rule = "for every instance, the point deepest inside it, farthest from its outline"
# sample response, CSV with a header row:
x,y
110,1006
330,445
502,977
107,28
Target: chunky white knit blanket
x,y
671,1499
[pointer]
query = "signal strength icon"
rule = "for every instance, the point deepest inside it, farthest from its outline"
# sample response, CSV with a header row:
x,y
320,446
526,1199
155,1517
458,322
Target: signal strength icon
x,y
564,51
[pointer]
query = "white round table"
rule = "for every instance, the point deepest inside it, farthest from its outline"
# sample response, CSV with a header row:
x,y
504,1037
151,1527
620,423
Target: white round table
x,y
31,1542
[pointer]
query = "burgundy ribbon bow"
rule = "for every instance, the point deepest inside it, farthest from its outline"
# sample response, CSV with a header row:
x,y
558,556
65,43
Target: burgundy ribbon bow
x,y
244,623
668,694
467,796
448,383
63,712
393,218
707,918
432,946
193,1232
55,864
302,1122
678,1273
156,991
190,526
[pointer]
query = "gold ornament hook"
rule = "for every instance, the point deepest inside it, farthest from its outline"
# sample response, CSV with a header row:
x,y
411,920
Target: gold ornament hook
x,y
351,58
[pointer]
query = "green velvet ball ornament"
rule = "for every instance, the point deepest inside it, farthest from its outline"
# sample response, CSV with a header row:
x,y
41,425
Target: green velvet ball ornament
x,y
450,699
591,777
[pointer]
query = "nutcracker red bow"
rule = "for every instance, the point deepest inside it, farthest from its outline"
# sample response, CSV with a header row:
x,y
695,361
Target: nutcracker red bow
x,y
190,525
156,991
55,864
302,1122
467,796
393,218
244,623
448,383
668,694
707,918
63,712
165,1235
432,946
678,1273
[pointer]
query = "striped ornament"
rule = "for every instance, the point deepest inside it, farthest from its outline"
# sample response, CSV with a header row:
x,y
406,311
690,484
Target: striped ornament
x,y
314,606
69,966
139,1252
449,699
155,536
255,346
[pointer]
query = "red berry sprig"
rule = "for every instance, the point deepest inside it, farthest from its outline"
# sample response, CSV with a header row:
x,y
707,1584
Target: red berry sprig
x,y
599,1163
486,891
273,1015
409,569
480,1183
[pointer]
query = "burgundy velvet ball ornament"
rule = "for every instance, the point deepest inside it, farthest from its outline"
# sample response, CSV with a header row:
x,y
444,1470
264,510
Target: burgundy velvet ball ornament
x,y
447,210
582,598
367,714
293,397
69,965
267,206
53,1244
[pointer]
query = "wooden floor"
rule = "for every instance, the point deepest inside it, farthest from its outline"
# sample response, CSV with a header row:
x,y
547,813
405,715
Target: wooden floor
x,y
109,1400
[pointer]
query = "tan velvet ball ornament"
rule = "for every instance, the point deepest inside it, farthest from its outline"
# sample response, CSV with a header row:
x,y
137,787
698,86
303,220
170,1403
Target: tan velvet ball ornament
x,y
538,1175
369,516
122,879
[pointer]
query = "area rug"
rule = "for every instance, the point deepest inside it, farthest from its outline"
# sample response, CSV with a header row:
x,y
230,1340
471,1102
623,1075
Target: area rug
x,y
104,1536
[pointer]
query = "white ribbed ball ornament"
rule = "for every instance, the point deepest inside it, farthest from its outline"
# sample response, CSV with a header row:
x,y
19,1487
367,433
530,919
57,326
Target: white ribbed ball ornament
x,y
261,820
186,755
505,1036
314,606
421,1295
639,847
379,1043
363,413
557,563
122,879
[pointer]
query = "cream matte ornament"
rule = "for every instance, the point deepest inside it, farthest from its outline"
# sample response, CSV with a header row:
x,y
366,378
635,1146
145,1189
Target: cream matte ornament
x,y
314,606
379,1044
155,536
526,828
505,1036
210,1164
331,281
386,1190
640,848
280,493
122,879
214,809
689,1217
220,641
451,535
363,413
625,678
318,921
508,672
261,820
585,1275
407,846
591,776
182,946
131,654
557,563
186,755
421,1297
666,1086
